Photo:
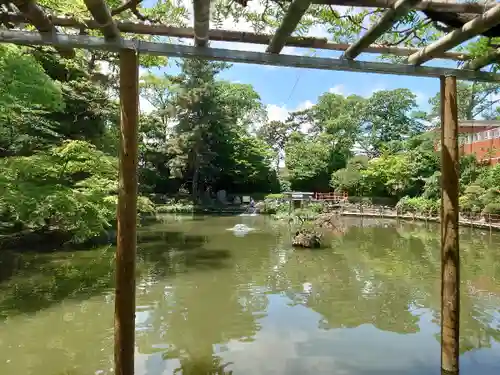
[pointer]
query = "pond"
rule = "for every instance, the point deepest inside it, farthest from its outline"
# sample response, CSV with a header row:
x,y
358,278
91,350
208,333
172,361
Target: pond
x,y
210,301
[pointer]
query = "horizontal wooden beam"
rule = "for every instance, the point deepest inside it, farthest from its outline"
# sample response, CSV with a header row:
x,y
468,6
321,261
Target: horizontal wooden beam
x,y
434,5
401,7
37,17
234,36
183,51
102,15
469,30
483,61
292,18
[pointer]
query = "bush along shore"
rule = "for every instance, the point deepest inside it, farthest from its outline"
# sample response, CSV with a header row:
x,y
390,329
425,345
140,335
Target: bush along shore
x,y
417,208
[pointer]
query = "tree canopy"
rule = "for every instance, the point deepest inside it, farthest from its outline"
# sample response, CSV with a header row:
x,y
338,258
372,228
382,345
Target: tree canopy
x,y
205,133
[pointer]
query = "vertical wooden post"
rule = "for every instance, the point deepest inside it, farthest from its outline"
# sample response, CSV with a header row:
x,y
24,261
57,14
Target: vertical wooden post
x,y
127,215
450,261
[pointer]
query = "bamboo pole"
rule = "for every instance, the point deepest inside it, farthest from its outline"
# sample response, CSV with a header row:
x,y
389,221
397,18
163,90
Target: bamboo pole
x,y
142,28
288,25
390,16
250,57
127,215
468,31
34,14
450,260
201,10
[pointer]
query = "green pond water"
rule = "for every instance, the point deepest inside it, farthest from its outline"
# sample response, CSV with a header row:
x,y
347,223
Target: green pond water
x,y
211,302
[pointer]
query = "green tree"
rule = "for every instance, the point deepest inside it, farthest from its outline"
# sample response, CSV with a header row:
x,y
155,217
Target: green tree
x,y
350,179
159,91
27,95
310,162
275,134
474,100
389,175
388,116
70,188
341,118
211,144
197,115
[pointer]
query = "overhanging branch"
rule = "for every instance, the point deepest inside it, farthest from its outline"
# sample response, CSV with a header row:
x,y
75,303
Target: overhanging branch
x,y
39,19
401,7
434,5
483,61
469,30
201,22
102,15
290,21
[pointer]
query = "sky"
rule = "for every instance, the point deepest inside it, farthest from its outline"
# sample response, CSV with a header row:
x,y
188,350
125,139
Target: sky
x,y
284,89
287,89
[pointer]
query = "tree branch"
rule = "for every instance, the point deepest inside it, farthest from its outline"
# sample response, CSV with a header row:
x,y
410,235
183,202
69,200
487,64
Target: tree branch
x,y
132,5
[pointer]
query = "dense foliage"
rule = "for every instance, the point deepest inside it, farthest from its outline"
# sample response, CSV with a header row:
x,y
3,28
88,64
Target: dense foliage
x,y
206,144
58,147
59,137
382,147
59,128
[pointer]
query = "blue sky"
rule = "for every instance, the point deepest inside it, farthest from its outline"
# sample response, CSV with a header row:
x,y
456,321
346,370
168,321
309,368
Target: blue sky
x,y
285,89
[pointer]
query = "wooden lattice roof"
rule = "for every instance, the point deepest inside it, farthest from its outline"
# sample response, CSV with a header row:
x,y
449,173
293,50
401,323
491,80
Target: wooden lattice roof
x,y
468,20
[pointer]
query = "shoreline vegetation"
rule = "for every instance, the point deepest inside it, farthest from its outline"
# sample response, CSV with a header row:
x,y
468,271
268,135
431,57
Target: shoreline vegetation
x,y
59,142
272,206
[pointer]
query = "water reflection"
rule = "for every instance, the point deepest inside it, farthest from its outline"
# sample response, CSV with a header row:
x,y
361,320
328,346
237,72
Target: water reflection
x,y
209,302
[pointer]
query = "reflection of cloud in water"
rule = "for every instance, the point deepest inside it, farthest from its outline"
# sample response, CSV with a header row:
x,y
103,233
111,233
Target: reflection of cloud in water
x,y
307,288
304,349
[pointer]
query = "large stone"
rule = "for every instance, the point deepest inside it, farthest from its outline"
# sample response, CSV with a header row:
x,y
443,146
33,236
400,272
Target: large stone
x,y
222,196
329,221
306,239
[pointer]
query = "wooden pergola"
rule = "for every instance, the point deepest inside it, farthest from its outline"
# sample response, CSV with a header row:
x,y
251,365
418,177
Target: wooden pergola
x,y
485,16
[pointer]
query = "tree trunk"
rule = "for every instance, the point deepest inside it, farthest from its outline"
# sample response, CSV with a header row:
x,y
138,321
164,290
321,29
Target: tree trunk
x,y
196,174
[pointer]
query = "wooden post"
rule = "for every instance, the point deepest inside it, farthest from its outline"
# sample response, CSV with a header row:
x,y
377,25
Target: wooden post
x,y
450,261
127,215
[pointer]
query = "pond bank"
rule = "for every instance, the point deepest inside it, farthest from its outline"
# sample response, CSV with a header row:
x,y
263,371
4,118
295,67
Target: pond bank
x,y
191,209
395,215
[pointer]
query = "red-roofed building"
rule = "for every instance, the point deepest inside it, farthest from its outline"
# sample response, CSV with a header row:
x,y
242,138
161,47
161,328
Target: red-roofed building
x,y
480,137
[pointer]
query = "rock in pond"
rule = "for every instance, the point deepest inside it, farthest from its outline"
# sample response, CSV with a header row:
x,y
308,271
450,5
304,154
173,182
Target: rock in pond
x,y
329,221
306,239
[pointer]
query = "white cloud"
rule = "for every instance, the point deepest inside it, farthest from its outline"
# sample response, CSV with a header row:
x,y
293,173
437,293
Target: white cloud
x,y
337,89
277,113
304,105
422,99
281,113
145,106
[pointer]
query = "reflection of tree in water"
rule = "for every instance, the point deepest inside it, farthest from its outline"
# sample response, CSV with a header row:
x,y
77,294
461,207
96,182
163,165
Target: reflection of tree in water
x,y
347,293
44,280
480,287
188,317
378,275
197,293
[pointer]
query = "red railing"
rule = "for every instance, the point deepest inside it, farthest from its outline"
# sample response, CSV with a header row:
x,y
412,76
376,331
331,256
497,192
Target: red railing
x,y
332,196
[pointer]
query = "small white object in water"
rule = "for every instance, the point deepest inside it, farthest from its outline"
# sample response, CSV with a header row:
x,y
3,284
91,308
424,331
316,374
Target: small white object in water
x,y
240,229
307,287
